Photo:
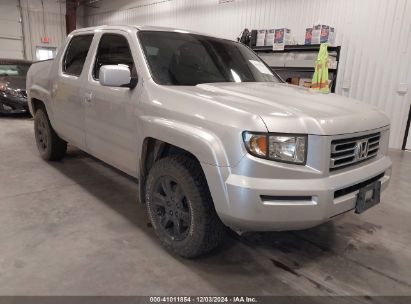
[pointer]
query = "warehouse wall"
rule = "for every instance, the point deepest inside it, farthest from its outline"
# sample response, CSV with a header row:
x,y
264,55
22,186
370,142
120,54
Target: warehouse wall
x,y
43,18
375,36
11,35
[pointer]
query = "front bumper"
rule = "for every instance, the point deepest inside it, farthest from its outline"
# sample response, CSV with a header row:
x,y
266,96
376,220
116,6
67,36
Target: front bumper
x,y
13,105
266,204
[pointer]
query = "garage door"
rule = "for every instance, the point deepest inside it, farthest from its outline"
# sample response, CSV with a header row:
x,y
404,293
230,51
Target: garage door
x,y
11,40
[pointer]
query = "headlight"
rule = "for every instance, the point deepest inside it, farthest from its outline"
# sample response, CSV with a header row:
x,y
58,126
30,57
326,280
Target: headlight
x,y
256,144
13,92
9,91
279,147
3,87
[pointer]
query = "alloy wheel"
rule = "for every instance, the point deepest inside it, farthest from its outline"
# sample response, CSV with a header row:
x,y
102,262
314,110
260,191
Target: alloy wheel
x,y
171,208
42,133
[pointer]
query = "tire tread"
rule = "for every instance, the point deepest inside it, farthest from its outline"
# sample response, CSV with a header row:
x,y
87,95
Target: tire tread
x,y
213,229
58,146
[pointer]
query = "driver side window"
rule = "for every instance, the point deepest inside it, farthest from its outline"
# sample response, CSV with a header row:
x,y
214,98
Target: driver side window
x,y
113,50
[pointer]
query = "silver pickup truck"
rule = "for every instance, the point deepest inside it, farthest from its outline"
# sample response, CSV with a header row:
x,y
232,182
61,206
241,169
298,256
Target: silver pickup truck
x,y
213,136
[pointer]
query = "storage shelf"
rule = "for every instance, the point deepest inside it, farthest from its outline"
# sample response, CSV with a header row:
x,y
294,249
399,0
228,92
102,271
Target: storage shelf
x,y
265,52
295,48
306,69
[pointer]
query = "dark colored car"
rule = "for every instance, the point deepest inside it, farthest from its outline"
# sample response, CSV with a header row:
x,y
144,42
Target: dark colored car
x,y
13,96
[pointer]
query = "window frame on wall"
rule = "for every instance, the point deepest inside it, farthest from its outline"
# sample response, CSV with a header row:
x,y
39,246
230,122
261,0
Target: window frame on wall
x,y
51,49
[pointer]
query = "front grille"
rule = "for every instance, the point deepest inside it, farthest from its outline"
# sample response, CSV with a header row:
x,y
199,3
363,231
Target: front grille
x,y
350,151
356,187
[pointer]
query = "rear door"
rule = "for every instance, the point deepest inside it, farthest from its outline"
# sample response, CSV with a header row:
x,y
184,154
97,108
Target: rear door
x,y
68,101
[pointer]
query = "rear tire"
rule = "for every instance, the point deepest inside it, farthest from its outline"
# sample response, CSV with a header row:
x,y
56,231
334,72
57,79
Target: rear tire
x,y
49,144
180,207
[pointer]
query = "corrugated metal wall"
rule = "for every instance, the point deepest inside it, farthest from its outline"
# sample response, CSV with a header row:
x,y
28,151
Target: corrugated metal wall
x,y
40,19
375,36
11,36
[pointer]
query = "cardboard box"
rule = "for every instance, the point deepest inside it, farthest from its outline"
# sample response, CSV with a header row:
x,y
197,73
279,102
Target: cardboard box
x,y
282,38
308,35
261,37
253,38
323,34
295,81
331,37
305,82
269,37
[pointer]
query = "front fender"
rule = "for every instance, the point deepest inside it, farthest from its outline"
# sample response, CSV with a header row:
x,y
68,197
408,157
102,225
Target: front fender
x,y
204,144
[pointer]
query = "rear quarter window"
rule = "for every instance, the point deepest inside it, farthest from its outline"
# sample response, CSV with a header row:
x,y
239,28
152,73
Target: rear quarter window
x,y
76,54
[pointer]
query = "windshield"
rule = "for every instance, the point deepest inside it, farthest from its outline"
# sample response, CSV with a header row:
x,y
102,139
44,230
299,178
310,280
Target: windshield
x,y
14,69
188,59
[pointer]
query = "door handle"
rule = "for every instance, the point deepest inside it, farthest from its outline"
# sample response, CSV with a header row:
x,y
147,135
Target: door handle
x,y
88,97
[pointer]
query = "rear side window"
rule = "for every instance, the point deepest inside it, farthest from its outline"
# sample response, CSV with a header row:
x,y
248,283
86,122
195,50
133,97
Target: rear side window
x,y
113,50
76,54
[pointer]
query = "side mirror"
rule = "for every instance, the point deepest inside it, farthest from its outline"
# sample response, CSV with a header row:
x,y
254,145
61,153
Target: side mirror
x,y
116,76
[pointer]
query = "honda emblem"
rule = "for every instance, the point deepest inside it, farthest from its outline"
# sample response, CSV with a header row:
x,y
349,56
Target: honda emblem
x,y
361,149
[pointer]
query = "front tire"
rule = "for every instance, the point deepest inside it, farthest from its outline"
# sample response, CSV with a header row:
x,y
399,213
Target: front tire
x,y
180,207
49,144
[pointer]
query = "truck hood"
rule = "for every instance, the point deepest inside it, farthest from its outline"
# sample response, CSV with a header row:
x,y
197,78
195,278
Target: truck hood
x,y
292,109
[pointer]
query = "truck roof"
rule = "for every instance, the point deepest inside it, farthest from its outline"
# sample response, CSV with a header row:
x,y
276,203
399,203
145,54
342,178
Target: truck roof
x,y
138,27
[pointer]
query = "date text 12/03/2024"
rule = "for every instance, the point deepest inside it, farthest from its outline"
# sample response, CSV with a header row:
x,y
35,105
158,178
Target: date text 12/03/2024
x,y
200,299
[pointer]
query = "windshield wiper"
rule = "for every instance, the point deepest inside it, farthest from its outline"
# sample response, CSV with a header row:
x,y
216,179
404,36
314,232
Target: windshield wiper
x,y
4,74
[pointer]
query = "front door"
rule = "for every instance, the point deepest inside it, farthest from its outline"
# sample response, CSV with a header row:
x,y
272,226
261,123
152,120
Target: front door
x,y
110,112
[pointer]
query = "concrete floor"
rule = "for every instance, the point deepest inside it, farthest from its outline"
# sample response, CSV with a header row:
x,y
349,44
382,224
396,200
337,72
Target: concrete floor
x,y
76,228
